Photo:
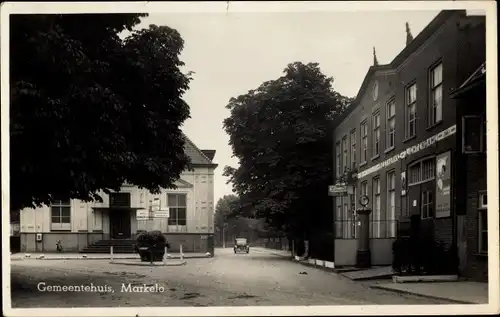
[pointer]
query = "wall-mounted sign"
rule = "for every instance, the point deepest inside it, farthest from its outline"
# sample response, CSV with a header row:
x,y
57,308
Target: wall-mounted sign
x,y
162,213
142,214
156,204
443,185
337,190
403,183
410,151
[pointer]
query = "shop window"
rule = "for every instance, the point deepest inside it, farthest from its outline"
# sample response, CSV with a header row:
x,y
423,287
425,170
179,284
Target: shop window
x,y
60,215
422,171
483,223
473,134
338,218
427,204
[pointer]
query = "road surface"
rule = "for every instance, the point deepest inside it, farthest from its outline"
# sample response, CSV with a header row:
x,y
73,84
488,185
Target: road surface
x,y
257,278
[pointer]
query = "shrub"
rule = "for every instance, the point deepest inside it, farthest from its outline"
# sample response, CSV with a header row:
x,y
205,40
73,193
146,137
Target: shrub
x,y
151,244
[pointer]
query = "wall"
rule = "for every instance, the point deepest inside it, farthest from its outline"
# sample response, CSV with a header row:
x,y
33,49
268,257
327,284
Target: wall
x,y
346,249
84,219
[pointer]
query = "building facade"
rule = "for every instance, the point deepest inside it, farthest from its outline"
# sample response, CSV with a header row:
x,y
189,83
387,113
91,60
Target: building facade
x,y
410,141
123,215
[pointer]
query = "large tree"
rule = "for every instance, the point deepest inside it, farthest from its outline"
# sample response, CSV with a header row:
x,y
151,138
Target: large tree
x,y
91,110
281,135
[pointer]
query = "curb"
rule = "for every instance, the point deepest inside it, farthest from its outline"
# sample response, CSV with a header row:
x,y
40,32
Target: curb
x,y
102,258
148,263
456,301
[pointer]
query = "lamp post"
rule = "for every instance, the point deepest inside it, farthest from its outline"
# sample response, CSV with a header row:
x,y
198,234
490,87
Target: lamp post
x,y
363,254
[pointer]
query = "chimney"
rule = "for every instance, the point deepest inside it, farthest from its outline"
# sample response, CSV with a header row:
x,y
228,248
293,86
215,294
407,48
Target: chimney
x,y
375,61
209,153
409,37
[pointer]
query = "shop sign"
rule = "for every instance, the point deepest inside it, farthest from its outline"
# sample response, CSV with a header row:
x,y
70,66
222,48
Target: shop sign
x,y
337,189
410,151
142,214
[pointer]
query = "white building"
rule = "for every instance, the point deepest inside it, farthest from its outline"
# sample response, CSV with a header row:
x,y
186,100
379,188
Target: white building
x,y
79,224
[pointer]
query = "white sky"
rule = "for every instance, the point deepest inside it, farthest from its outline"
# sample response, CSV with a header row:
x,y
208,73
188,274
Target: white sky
x,y
232,53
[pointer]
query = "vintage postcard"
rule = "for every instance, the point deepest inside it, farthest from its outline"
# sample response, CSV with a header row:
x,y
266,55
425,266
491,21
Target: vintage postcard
x,y
249,158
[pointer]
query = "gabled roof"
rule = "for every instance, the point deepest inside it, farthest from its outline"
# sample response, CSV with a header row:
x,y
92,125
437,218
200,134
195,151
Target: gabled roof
x,y
195,154
371,71
477,76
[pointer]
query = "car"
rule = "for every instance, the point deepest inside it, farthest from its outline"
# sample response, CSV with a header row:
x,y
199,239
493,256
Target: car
x,y
241,245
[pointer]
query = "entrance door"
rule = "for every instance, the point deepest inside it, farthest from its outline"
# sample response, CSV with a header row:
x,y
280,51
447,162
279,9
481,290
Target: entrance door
x,y
119,224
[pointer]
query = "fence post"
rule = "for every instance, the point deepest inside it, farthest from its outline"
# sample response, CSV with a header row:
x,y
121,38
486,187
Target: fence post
x,y
182,254
111,252
165,256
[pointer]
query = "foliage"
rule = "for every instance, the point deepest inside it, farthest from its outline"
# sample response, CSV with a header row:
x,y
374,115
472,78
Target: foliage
x,y
224,209
89,110
281,135
154,243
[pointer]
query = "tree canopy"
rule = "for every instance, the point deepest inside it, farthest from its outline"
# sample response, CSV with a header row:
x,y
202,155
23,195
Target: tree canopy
x,y
90,110
281,135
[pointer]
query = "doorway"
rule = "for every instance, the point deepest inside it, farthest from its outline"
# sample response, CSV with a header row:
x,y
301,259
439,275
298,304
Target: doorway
x,y
119,224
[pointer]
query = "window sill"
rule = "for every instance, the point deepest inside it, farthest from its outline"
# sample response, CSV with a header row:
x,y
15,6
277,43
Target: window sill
x,y
432,126
389,149
60,230
409,138
362,164
375,157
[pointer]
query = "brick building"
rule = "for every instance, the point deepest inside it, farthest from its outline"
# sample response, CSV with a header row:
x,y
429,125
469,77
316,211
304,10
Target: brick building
x,y
410,142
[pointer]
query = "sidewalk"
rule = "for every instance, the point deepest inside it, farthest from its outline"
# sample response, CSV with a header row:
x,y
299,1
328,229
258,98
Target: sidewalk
x,y
282,253
455,292
94,256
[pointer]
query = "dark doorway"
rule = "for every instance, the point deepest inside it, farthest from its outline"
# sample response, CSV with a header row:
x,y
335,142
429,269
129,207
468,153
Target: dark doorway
x,y
119,224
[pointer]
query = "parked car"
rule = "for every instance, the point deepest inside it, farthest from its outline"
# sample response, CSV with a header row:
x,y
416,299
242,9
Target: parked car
x,y
241,245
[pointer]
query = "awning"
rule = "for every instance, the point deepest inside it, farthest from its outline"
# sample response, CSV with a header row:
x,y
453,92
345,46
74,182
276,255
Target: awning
x,y
477,77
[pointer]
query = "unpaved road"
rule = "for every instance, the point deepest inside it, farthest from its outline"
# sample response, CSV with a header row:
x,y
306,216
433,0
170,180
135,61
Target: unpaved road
x,y
258,278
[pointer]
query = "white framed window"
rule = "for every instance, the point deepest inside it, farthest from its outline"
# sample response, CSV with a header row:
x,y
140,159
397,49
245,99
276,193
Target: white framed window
x,y
473,134
391,123
353,204
347,220
411,110
345,150
391,204
338,217
436,102
364,189
427,204
376,133
177,205
483,223
376,208
60,215
353,149
338,160
422,171
364,141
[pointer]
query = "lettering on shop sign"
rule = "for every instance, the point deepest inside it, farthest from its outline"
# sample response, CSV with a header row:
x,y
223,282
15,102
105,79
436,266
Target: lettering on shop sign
x,y
410,151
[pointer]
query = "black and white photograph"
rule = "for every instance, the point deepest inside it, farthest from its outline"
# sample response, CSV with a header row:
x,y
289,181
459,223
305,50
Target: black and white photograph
x,y
249,158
